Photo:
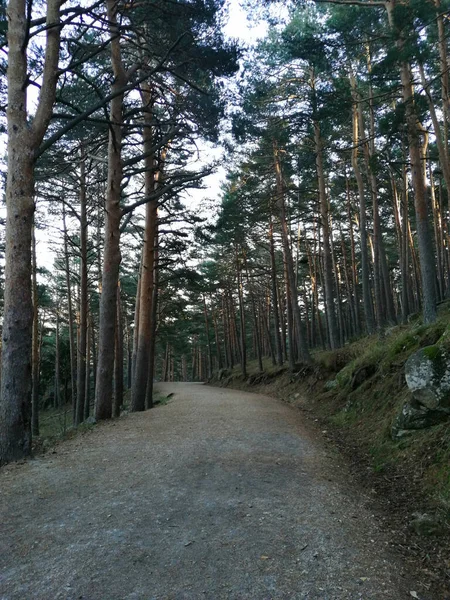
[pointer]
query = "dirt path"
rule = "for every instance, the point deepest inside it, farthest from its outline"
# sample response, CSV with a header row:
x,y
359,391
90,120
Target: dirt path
x,y
220,494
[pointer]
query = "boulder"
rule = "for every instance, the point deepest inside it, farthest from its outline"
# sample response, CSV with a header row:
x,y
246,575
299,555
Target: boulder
x,y
427,374
415,416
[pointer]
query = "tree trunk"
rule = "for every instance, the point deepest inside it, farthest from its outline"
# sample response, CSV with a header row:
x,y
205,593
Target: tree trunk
x,y
24,139
118,362
327,257
35,353
243,344
208,341
87,383
365,277
217,339
425,242
290,274
81,370
73,356
57,394
152,352
148,258
112,256
273,282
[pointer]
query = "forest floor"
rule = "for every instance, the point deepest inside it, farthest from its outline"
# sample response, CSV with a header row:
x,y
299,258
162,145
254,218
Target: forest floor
x,y
219,494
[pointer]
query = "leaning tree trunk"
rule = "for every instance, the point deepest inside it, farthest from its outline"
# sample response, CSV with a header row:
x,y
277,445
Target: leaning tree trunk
x,y
111,253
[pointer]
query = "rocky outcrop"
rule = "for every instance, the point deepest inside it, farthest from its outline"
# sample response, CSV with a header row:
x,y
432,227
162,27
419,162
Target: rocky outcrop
x,y
427,374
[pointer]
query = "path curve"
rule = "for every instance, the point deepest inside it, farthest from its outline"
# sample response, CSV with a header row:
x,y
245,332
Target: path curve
x,y
220,494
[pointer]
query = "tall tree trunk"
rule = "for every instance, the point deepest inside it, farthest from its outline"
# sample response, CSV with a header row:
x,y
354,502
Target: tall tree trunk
x,y
35,353
356,294
87,383
72,347
273,285
139,389
208,341
112,256
226,334
365,276
118,362
242,332
425,242
57,394
327,257
256,329
217,339
290,273
24,139
154,326
81,370
166,363
136,321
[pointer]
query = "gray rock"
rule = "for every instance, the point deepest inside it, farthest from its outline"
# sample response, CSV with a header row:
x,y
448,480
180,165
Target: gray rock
x,y
415,416
90,421
427,373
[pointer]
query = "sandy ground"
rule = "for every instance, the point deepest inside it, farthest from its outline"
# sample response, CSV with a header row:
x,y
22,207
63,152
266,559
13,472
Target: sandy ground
x,y
220,494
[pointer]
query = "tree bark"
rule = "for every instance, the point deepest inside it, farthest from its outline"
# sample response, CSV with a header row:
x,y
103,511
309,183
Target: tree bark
x,y
208,341
290,274
35,353
111,254
242,332
23,141
73,357
365,277
424,238
273,282
327,257
154,327
118,360
82,342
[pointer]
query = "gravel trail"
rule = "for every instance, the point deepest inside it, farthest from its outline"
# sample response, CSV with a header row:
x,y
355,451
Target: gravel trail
x,y
220,494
